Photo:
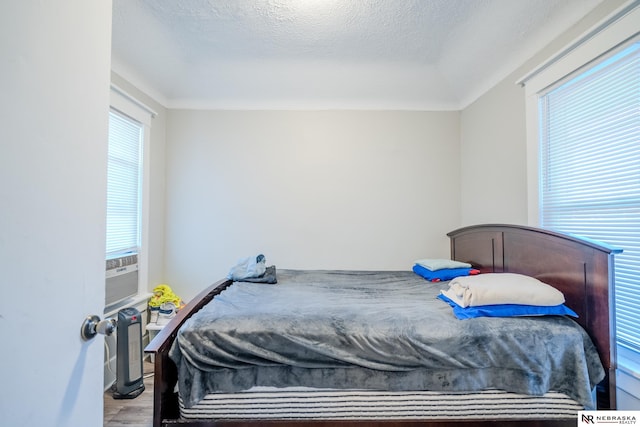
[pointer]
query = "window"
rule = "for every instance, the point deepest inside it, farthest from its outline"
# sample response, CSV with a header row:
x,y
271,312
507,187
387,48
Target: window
x,y
590,170
127,198
123,185
582,105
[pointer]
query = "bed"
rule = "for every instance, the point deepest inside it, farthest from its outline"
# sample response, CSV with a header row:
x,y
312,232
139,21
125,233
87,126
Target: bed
x,y
581,269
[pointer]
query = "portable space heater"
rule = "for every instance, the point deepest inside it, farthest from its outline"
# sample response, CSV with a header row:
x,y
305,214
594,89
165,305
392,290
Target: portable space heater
x,y
129,382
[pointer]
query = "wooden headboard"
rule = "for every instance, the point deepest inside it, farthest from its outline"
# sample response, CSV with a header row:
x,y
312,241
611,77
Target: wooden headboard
x,y
581,269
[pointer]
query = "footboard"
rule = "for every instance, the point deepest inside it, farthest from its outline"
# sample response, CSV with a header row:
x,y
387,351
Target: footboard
x,y
165,400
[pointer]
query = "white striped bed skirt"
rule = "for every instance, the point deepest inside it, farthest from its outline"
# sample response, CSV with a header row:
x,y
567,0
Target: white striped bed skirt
x,y
305,403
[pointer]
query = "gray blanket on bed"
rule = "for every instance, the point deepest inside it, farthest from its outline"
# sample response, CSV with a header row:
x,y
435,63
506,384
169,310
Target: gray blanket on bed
x,y
373,330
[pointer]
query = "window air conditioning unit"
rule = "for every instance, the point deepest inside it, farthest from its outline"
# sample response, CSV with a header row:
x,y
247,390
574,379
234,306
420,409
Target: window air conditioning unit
x,y
121,279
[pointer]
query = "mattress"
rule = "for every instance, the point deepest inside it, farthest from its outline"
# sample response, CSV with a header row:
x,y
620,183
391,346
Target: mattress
x,y
304,403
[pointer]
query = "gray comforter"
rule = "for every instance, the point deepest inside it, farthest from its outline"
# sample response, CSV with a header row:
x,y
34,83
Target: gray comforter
x,y
373,330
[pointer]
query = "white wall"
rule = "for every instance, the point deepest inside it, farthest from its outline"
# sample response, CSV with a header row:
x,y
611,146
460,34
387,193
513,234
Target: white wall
x,y
53,168
309,189
493,158
493,140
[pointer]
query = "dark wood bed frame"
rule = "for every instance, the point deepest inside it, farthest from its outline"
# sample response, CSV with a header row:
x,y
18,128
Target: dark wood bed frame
x,y
580,268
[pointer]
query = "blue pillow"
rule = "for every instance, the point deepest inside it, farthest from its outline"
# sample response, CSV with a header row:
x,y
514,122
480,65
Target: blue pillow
x,y
442,274
439,264
507,310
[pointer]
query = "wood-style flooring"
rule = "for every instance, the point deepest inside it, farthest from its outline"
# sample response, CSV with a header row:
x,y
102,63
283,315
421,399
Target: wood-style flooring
x,y
136,412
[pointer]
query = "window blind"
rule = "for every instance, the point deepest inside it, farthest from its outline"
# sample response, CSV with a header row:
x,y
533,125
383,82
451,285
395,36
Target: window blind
x,y
590,170
123,185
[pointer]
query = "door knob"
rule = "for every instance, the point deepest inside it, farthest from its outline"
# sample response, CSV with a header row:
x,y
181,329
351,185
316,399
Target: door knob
x,y
92,326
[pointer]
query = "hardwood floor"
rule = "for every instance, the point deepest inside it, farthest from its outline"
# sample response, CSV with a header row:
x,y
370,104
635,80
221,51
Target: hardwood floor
x,y
136,412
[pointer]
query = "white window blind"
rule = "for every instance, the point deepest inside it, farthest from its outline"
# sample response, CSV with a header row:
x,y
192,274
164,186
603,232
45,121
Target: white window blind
x,y
123,185
590,170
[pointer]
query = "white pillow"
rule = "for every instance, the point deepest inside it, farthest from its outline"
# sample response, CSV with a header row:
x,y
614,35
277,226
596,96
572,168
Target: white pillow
x,y
502,288
440,264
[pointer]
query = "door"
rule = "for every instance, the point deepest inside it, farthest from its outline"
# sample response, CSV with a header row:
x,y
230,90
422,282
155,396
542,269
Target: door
x,y
53,139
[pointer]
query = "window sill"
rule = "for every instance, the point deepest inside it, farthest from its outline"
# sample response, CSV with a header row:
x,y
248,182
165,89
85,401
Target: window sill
x,y
628,373
129,302
629,362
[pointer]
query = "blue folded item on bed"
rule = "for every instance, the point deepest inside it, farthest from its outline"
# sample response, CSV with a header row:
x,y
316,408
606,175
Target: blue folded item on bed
x,y
440,275
507,310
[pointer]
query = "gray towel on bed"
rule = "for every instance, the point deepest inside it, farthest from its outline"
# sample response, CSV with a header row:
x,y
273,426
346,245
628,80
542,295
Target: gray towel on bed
x,y
269,277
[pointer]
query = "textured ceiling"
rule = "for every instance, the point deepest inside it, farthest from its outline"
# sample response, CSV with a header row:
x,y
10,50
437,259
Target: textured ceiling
x,y
328,54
